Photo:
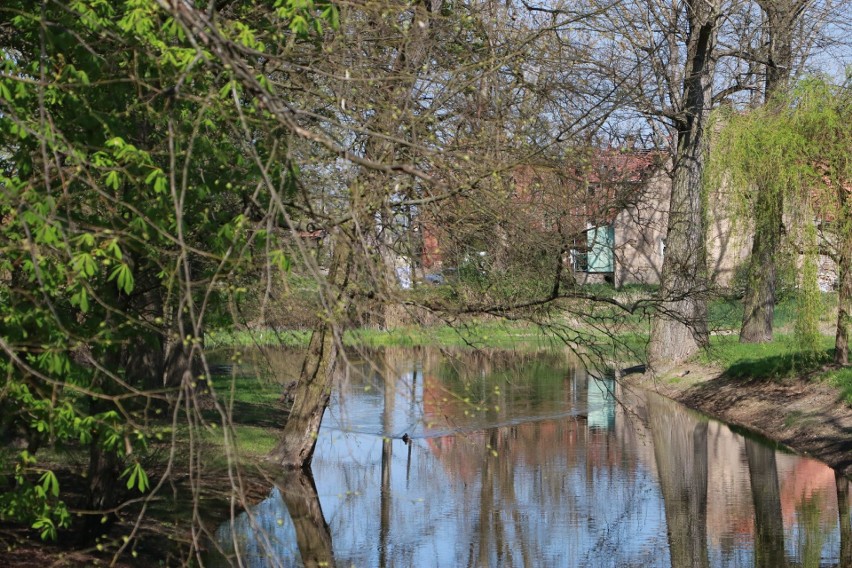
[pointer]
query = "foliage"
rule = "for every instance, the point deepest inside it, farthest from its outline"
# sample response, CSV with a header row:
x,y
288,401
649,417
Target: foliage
x,y
808,299
795,149
172,173
126,220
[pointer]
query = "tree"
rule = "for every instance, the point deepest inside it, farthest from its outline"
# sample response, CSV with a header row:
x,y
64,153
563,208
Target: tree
x,y
781,18
798,150
159,159
130,214
681,326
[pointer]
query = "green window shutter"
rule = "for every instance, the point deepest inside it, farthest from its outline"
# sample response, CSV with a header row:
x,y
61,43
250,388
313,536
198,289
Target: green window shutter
x,y
601,244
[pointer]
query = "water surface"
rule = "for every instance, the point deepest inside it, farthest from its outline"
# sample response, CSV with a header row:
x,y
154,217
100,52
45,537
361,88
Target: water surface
x,y
519,459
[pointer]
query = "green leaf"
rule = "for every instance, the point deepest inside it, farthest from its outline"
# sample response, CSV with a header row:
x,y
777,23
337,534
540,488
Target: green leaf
x,y
84,264
138,478
46,528
81,299
113,180
49,483
123,277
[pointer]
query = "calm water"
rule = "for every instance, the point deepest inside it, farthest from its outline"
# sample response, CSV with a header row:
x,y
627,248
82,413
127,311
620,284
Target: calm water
x,y
527,460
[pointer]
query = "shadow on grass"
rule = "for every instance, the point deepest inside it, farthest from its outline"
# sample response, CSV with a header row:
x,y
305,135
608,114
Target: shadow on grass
x,y
258,414
777,366
781,358
841,378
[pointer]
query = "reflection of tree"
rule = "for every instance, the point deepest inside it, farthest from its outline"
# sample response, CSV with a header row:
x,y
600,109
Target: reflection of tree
x,y
843,514
389,376
766,495
499,545
680,450
312,533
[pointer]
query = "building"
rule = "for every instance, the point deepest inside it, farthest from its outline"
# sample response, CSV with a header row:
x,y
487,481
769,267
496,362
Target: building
x,y
612,210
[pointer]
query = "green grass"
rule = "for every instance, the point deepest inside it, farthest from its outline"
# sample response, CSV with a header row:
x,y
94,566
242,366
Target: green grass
x,y
248,337
252,444
842,380
488,334
779,359
727,313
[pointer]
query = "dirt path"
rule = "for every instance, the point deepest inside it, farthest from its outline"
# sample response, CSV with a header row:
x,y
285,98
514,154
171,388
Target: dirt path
x,y
806,416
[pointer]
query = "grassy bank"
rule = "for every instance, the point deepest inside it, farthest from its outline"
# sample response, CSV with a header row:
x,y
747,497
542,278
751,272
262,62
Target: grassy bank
x,y
778,360
598,322
473,334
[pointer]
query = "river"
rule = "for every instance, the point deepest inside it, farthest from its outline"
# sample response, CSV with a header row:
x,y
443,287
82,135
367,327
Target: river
x,y
501,458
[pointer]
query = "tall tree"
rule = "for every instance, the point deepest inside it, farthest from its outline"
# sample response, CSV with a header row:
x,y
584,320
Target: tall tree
x,y
781,17
680,328
353,269
799,147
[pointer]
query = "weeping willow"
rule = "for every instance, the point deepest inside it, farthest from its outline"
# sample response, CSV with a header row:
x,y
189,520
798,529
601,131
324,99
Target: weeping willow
x,y
808,301
788,168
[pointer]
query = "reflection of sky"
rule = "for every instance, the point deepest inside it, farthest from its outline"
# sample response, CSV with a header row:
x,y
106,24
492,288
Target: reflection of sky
x,y
561,491
270,519
559,514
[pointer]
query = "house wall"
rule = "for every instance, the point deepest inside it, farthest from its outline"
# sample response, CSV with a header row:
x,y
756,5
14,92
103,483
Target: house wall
x,y
640,229
728,239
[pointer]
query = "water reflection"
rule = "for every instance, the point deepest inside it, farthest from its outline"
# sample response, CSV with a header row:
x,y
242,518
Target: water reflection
x,y
527,460
680,452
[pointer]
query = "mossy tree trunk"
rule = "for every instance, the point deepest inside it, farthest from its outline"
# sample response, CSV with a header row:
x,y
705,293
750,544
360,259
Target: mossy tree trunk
x,y
295,447
359,281
759,301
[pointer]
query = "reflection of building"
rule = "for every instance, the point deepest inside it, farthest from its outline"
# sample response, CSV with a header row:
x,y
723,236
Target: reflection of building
x,y
521,485
730,504
601,403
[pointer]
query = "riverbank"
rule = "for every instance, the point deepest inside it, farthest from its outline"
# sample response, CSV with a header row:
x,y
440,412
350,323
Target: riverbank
x,y
805,412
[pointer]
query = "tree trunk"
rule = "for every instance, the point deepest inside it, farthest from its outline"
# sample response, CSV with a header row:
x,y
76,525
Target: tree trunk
x,y
679,328
295,448
844,301
759,301
353,265
766,496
